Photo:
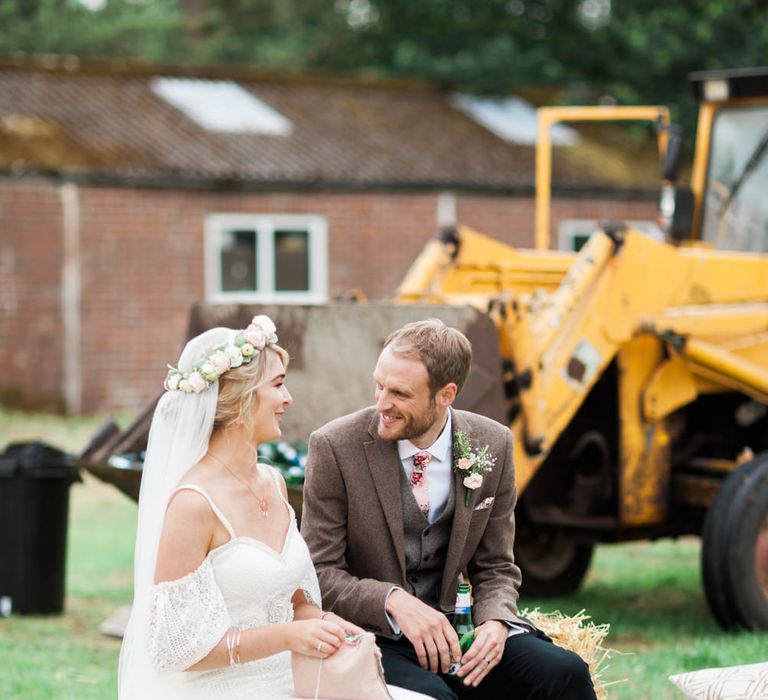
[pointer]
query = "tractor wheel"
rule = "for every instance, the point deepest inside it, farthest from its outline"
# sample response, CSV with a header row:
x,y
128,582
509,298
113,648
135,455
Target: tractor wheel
x,y
747,562
552,563
714,547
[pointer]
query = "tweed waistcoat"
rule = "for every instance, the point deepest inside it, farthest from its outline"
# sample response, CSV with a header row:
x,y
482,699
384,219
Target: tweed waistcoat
x,y
425,545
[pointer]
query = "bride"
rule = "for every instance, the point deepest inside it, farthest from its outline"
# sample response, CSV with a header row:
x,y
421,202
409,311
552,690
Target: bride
x,y
224,588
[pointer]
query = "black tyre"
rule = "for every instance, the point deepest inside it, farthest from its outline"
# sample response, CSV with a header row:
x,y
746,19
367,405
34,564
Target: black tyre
x,y
747,556
715,546
552,562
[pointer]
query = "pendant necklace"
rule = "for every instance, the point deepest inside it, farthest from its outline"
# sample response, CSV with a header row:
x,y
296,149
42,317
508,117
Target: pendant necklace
x,y
263,504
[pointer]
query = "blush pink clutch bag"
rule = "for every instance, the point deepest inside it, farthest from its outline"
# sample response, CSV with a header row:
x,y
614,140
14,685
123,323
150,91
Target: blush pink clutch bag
x,y
354,672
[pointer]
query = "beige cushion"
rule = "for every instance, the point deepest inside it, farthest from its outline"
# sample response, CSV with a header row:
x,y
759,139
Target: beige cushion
x,y
731,683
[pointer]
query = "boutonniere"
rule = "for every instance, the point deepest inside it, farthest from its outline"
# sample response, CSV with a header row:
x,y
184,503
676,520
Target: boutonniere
x,y
471,464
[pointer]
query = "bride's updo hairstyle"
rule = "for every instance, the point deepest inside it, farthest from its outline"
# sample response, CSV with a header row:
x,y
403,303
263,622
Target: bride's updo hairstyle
x,y
239,388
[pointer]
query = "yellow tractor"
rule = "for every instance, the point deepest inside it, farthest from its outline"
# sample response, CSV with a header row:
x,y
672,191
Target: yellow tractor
x,y
636,372
633,374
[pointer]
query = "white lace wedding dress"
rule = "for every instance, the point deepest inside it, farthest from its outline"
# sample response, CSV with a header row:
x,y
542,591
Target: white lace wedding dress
x,y
244,583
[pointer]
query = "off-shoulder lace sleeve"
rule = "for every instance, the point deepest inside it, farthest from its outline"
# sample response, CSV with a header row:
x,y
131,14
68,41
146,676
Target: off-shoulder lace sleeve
x,y
311,588
187,619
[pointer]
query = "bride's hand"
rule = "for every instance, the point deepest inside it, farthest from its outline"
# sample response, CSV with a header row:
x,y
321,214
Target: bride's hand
x,y
349,627
318,638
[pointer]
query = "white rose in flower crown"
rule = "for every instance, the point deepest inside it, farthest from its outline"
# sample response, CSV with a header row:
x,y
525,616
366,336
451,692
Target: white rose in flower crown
x,y
247,350
234,355
172,381
265,324
473,481
220,361
197,382
209,372
185,386
256,337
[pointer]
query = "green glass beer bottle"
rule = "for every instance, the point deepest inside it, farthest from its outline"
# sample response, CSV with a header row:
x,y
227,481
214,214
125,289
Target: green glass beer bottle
x,y
462,622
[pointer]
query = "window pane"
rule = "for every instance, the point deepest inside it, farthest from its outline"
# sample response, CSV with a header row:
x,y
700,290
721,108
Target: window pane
x,y
238,261
291,261
735,205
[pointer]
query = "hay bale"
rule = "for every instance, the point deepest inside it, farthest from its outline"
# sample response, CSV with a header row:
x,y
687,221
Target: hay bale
x,y
577,634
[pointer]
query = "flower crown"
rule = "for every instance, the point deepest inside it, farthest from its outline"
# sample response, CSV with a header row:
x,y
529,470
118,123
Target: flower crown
x,y
248,343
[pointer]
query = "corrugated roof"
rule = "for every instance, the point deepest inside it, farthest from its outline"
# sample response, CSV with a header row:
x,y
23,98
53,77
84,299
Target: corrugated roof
x,y
104,120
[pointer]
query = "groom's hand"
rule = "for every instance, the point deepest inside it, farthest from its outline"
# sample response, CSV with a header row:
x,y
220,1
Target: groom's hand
x,y
432,636
485,652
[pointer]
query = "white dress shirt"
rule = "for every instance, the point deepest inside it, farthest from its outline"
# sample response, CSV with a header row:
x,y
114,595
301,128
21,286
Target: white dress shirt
x,y
439,471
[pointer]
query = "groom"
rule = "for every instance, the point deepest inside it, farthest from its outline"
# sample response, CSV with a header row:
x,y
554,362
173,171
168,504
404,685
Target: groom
x,y
391,525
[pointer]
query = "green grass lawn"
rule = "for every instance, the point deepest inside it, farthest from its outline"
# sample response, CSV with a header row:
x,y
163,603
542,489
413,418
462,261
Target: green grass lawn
x,y
63,657
649,593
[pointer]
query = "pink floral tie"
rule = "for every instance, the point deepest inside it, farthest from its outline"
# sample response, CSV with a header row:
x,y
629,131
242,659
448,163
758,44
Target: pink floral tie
x,y
419,481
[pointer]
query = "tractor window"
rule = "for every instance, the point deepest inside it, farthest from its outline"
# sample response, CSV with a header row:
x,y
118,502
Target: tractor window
x,y
735,205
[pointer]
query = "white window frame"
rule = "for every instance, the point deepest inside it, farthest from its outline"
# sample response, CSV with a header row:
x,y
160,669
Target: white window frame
x,y
265,226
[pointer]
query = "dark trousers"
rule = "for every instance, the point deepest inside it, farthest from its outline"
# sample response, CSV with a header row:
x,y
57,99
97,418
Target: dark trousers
x,y
531,667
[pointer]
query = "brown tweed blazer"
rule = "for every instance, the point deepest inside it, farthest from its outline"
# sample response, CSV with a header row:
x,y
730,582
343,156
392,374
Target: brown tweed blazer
x,y
353,522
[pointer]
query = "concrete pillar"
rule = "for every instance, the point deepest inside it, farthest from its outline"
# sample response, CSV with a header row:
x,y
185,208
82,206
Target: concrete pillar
x,y
70,298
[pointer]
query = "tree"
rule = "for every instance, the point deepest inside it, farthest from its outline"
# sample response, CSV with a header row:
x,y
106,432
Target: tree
x,y
147,29
633,52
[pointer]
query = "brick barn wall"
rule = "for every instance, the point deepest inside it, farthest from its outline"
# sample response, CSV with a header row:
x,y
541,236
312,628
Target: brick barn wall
x,y
142,266
512,220
30,294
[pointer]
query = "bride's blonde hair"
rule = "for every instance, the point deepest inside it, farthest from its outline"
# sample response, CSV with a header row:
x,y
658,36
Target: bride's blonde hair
x,y
239,388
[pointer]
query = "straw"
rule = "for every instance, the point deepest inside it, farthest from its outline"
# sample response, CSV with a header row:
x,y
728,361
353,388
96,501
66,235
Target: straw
x,y
580,636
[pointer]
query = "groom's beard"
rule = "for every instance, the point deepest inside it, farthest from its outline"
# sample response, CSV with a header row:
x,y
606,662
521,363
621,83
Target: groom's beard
x,y
413,426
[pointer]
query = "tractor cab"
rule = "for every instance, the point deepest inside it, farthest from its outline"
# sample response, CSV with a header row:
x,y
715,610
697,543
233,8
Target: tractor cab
x,y
730,172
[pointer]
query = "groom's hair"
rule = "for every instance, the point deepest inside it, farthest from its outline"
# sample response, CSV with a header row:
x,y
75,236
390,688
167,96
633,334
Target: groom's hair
x,y
445,351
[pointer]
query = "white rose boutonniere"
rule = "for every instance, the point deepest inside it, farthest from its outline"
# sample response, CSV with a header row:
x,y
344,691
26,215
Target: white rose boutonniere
x,y
471,464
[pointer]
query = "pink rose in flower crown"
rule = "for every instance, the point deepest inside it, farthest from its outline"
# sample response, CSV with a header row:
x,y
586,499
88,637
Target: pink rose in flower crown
x,y
265,324
256,337
473,481
234,355
220,362
197,382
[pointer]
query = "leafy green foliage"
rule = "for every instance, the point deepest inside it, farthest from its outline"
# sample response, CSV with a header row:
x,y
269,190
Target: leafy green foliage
x,y
638,52
146,29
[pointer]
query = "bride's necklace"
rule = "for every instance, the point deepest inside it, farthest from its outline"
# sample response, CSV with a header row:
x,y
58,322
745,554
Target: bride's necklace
x,y
263,504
